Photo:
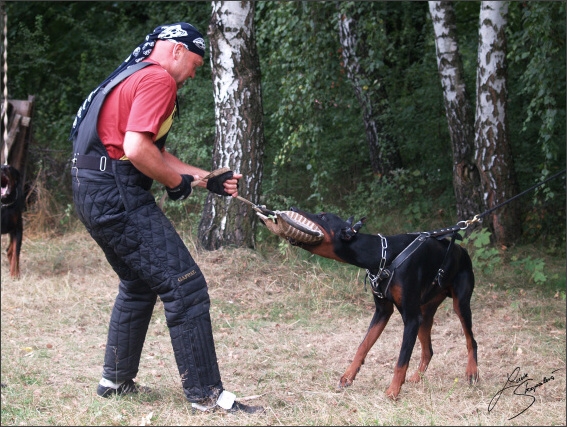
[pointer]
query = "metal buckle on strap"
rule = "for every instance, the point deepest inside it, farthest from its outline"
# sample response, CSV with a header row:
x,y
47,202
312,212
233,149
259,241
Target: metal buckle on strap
x,y
102,166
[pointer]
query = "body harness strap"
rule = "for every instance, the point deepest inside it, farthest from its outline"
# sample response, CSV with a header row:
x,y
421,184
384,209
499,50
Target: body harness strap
x,y
84,161
388,272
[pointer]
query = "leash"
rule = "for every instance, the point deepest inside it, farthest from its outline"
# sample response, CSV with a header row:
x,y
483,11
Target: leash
x,y
478,218
387,272
258,208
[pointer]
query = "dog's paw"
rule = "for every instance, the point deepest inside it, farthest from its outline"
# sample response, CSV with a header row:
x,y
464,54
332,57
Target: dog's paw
x,y
393,392
472,377
344,382
415,378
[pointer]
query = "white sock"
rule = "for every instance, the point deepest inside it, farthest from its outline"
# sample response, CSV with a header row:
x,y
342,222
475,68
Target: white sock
x,y
107,383
226,400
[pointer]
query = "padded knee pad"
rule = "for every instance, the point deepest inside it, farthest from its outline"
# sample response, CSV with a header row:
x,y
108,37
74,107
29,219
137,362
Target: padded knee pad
x,y
128,326
196,358
187,313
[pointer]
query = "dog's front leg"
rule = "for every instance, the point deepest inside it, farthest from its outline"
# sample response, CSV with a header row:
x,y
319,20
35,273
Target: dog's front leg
x,y
384,310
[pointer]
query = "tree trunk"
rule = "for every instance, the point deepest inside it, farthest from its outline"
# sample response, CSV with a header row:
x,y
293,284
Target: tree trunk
x,y
493,151
239,140
384,157
460,115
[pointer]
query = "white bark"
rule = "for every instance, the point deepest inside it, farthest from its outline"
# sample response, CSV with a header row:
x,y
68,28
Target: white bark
x,y
230,96
239,137
493,149
458,109
447,52
491,94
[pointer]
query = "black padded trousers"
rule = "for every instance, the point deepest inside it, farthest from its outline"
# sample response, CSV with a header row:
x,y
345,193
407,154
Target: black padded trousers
x,y
151,260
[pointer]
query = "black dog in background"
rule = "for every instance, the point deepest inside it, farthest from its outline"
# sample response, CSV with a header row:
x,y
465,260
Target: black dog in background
x,y
12,222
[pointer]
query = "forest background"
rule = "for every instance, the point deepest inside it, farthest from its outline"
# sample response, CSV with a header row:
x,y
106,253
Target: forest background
x,y
316,154
287,323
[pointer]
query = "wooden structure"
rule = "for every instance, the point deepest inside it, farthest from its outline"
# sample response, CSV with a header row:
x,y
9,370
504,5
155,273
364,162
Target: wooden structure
x,y
16,141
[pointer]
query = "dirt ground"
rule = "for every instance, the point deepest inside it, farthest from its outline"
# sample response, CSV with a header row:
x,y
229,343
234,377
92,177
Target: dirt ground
x,y
286,328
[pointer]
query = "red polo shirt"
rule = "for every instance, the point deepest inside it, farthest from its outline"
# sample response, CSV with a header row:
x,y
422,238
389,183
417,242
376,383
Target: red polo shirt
x,y
144,102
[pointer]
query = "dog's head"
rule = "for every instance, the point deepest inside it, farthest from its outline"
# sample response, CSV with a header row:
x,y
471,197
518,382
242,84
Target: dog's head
x,y
337,234
10,184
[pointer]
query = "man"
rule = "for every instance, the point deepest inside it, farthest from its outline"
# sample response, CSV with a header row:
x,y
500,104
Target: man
x,y
119,149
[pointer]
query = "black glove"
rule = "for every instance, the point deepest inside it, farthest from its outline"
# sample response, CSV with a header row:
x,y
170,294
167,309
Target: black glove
x,y
215,184
183,190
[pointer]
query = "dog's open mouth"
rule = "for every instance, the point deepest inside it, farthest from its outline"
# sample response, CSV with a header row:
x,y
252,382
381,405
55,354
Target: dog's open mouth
x,y
5,186
293,227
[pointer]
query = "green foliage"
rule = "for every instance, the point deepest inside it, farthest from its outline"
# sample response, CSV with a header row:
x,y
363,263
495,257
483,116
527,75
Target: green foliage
x,y
312,122
534,269
537,46
316,155
483,255
536,54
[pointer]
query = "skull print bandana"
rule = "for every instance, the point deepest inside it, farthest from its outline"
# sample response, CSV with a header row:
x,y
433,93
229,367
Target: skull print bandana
x,y
180,32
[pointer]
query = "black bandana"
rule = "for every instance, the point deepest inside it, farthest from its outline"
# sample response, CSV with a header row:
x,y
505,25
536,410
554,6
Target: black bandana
x,y
180,32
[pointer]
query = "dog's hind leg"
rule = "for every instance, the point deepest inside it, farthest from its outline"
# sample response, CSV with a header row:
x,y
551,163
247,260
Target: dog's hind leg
x,y
384,310
462,292
424,334
13,256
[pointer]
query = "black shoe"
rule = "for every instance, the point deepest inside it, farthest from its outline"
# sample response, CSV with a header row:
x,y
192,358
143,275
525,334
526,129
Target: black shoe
x,y
127,387
238,407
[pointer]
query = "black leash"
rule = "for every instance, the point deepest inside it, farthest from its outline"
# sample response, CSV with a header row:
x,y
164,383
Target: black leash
x,y
387,272
454,231
519,195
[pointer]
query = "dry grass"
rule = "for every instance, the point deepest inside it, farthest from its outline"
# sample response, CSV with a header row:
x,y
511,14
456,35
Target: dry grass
x,y
286,327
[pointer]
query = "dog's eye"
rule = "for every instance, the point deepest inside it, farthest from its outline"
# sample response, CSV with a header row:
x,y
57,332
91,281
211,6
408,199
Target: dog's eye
x,y
322,216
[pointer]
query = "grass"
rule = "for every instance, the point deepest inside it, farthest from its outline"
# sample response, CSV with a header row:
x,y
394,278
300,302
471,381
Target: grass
x,y
286,326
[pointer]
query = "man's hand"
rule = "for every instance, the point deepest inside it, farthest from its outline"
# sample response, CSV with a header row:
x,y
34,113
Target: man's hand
x,y
183,190
215,184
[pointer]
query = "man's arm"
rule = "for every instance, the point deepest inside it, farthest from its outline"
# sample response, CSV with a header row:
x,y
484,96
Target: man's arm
x,y
148,159
164,167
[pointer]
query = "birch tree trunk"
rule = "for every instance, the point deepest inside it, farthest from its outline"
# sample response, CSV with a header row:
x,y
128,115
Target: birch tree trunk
x,y
458,109
493,151
384,157
239,140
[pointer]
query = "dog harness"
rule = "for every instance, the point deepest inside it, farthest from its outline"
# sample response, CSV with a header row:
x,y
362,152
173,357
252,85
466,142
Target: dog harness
x,y
387,272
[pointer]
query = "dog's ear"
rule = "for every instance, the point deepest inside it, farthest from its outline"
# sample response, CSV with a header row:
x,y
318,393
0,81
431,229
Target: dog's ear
x,y
359,224
347,233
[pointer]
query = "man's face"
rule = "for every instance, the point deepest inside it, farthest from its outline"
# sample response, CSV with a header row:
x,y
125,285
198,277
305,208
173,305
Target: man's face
x,y
187,64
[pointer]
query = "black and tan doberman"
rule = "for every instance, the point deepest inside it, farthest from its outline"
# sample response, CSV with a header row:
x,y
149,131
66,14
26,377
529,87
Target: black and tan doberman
x,y
12,222
414,272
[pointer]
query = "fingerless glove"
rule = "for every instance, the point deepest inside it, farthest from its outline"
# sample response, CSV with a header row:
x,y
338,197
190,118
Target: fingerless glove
x,y
215,184
183,190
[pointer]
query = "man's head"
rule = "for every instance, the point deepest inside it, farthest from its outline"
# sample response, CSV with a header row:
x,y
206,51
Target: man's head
x,y
184,33
176,58
181,56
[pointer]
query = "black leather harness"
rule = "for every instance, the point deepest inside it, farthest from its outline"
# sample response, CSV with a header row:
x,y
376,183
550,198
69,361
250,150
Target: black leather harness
x,y
378,279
